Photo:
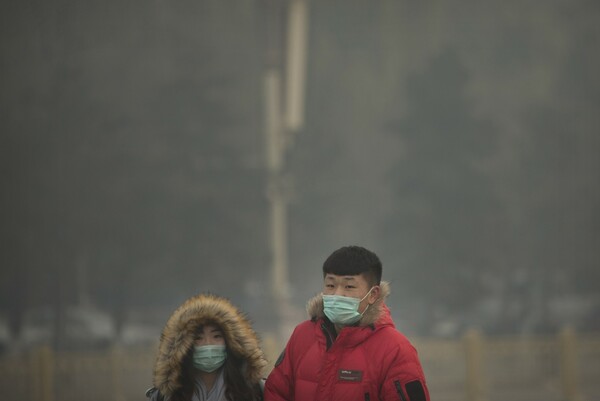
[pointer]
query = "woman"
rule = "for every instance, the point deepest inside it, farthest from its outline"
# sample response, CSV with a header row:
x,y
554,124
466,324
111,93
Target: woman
x,y
208,352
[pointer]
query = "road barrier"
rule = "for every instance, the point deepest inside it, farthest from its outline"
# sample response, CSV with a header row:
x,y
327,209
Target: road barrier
x,y
564,367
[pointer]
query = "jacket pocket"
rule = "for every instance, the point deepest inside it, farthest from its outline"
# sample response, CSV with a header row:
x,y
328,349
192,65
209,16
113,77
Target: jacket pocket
x,y
399,390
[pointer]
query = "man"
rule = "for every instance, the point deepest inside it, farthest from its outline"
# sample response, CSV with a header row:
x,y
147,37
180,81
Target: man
x,y
350,349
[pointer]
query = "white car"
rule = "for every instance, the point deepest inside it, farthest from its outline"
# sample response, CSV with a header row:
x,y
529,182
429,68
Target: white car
x,y
83,326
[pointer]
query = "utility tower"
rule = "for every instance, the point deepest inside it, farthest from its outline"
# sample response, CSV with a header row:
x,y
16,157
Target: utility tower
x,y
284,83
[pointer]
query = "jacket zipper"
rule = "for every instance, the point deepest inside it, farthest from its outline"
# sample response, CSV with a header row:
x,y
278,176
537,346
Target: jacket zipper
x,y
328,336
399,390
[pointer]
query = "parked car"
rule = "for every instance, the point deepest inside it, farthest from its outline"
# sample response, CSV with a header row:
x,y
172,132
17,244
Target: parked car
x,y
142,327
84,327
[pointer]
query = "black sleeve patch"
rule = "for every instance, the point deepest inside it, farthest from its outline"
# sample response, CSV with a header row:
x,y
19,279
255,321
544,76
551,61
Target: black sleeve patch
x,y
415,391
281,358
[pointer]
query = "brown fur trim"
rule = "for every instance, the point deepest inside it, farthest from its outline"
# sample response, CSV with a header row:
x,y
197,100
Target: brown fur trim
x,y
179,334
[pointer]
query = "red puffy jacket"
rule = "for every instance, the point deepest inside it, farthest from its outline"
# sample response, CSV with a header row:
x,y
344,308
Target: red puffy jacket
x,y
372,361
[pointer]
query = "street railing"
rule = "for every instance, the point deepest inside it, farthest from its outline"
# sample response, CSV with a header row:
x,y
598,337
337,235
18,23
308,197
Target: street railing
x,y
565,367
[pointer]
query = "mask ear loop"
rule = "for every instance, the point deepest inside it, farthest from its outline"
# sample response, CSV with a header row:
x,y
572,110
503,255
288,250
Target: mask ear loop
x,y
363,298
367,294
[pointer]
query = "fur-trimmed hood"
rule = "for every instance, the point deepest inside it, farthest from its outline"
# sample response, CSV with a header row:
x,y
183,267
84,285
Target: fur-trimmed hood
x,y
179,334
314,306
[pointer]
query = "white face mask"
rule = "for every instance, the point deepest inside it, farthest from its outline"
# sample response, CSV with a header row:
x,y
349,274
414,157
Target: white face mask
x,y
209,358
343,310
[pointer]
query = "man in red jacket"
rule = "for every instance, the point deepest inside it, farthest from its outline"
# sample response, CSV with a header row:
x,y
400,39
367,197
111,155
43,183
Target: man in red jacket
x,y
350,349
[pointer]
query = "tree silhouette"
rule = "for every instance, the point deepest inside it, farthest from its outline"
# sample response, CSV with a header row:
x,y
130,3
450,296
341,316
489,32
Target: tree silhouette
x,y
445,211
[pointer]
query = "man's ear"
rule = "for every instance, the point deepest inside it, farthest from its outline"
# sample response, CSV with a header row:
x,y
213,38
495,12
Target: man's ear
x,y
375,294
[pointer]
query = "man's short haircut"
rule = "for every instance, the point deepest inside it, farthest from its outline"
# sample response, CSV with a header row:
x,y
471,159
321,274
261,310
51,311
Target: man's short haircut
x,y
352,261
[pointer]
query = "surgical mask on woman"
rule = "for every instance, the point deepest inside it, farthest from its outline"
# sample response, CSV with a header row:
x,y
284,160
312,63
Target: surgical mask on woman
x,y
209,358
343,310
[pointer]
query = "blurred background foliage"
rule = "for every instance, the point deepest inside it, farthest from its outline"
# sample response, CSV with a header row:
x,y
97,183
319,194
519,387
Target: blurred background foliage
x,y
459,141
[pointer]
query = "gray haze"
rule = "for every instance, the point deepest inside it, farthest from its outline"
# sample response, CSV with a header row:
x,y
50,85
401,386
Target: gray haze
x,y
459,141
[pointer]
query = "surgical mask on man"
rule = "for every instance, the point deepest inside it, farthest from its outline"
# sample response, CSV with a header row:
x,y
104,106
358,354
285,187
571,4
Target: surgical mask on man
x,y
209,358
343,310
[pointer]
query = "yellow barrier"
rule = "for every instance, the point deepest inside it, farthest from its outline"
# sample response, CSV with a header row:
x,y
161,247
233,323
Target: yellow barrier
x,y
474,368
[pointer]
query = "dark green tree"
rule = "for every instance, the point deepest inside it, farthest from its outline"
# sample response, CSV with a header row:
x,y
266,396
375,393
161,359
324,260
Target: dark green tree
x,y
445,215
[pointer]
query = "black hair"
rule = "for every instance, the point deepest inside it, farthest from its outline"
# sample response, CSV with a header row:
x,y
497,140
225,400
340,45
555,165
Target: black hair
x,y
236,385
352,261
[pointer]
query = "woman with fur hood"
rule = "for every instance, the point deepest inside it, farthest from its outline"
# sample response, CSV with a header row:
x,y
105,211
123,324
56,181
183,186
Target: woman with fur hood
x,y
208,351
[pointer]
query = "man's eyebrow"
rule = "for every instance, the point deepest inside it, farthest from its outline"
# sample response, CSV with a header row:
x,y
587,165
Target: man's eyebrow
x,y
347,278
215,330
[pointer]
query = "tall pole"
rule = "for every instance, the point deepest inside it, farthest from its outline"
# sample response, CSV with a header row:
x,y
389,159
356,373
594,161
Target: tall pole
x,y
297,43
280,124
